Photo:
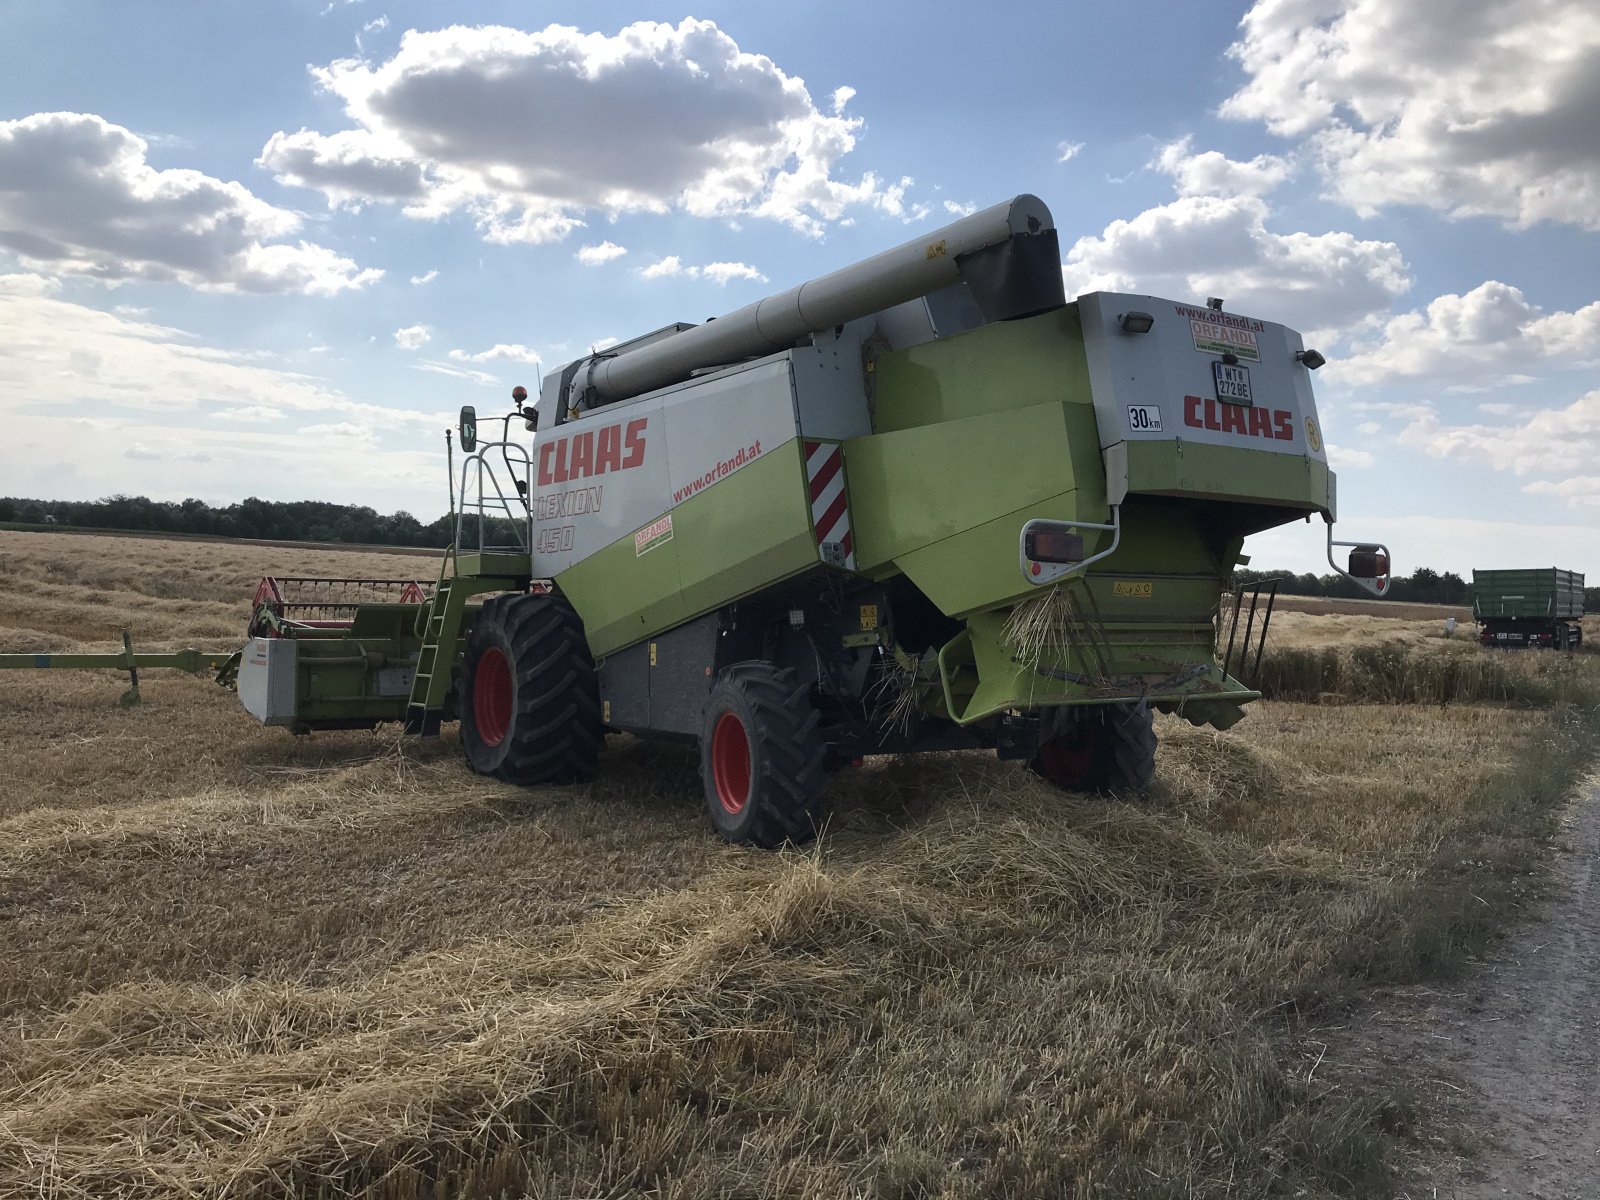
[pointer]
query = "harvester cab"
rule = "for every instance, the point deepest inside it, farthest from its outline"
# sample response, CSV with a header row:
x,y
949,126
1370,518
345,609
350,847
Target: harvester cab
x,y
923,502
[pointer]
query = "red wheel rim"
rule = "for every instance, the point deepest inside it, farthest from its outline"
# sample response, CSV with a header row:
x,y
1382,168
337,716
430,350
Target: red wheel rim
x,y
1066,763
491,696
730,763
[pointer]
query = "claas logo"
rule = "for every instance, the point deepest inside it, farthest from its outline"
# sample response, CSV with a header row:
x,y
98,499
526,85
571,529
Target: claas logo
x,y
592,452
1207,413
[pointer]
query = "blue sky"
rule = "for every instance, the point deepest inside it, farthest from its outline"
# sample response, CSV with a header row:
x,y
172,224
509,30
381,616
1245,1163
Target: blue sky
x,y
257,247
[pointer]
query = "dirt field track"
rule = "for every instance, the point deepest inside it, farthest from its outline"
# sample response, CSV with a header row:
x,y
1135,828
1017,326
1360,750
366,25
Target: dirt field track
x,y
233,963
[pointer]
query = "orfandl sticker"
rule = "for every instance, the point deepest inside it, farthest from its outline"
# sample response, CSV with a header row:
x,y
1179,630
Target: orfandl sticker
x,y
1216,332
652,535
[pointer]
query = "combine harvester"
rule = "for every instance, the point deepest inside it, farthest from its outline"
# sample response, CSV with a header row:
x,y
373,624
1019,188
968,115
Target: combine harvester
x,y
920,503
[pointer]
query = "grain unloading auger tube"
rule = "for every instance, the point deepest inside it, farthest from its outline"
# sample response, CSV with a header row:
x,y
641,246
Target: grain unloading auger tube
x,y
922,502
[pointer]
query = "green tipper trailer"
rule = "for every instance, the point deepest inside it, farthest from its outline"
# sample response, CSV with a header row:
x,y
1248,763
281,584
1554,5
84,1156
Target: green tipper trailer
x,y
924,502
1540,606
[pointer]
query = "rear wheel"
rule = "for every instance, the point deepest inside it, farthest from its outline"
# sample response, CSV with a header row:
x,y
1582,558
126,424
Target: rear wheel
x,y
528,695
761,757
1107,748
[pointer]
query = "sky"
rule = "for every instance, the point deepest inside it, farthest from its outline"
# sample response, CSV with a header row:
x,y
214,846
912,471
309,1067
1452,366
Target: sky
x,y
269,247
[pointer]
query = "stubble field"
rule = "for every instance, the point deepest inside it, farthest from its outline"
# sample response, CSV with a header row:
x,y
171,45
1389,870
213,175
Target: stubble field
x,y
233,963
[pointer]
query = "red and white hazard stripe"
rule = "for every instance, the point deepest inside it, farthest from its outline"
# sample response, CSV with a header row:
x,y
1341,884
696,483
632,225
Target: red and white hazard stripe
x,y
830,506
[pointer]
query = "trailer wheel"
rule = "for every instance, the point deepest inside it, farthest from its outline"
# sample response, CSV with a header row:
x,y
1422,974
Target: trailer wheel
x,y
528,695
761,757
1111,748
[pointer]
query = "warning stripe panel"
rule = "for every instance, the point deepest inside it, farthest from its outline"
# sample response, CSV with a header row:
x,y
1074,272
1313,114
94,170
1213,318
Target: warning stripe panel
x,y
830,505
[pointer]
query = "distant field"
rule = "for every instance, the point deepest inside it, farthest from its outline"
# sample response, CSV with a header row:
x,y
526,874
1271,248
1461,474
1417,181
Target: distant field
x,y
76,591
23,527
235,963
1391,609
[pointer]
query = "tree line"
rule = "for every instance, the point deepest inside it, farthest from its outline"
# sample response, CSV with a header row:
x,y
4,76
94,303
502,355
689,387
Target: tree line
x,y
1422,586
319,521
275,520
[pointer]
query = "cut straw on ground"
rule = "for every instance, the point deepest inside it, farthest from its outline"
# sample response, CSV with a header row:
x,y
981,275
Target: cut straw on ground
x,y
238,964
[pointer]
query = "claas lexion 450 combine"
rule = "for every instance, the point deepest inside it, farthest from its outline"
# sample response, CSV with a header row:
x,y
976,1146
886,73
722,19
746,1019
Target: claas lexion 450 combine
x,y
921,503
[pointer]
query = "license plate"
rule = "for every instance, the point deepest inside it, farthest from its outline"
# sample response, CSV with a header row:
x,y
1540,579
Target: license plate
x,y
1233,383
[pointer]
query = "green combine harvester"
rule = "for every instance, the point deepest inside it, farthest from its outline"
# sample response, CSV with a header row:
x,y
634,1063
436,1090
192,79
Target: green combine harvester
x,y
921,503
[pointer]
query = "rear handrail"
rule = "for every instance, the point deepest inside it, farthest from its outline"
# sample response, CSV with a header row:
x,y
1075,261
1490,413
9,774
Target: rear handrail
x,y
476,467
1266,621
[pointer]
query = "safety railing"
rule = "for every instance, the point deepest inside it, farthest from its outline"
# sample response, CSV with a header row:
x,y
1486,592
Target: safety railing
x,y
1254,591
494,500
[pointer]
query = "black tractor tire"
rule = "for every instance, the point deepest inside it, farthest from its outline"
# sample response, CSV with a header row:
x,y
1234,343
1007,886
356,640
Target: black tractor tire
x,y
528,695
1107,749
762,758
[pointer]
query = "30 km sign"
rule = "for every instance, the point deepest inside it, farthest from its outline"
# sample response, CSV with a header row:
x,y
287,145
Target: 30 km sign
x,y
1144,418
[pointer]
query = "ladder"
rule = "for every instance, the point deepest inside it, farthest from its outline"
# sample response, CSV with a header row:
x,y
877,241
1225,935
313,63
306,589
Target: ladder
x,y
431,682
439,624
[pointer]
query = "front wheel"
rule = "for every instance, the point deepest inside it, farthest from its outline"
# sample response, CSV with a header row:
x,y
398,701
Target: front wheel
x,y
528,695
761,757
1106,748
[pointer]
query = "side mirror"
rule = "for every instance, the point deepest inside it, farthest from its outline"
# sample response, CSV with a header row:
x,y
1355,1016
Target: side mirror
x,y
1369,564
469,428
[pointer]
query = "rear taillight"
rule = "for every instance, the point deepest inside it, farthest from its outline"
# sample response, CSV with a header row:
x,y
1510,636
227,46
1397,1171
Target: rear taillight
x,y
1053,546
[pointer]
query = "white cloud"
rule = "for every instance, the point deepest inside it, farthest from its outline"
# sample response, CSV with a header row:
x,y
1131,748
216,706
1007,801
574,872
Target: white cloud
x,y
421,280
528,132
593,256
353,434
500,350
1580,491
722,272
376,25
176,401
664,268
1492,328
959,210
1067,151
79,198
718,272
1345,458
435,367
349,168
1471,109
412,337
1214,174
1199,246
1550,442
63,356
249,414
